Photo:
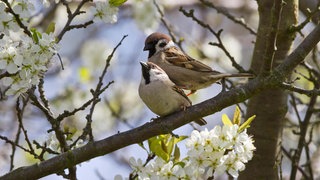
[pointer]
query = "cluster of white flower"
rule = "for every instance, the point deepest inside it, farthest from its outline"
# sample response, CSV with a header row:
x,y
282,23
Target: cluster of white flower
x,y
23,7
25,60
159,169
209,153
105,12
7,22
221,149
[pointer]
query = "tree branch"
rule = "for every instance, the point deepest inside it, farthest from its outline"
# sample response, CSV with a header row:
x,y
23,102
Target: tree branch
x,y
190,14
298,55
306,5
299,90
168,26
71,16
229,16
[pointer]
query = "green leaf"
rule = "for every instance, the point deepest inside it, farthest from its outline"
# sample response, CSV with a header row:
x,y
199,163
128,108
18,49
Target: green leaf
x,y
226,120
247,123
176,153
181,138
164,146
35,35
237,116
51,27
142,146
156,148
170,145
116,3
180,163
150,140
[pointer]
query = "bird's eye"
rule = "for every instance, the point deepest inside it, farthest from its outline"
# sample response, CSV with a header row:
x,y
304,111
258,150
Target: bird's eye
x,y
162,44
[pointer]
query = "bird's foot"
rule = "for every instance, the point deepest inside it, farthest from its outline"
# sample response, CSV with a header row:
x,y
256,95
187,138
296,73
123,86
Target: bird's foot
x,y
191,92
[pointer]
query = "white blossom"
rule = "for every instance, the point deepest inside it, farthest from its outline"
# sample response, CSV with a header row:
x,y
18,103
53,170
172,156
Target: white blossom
x,y
220,150
10,59
136,165
105,12
5,19
25,60
52,142
23,7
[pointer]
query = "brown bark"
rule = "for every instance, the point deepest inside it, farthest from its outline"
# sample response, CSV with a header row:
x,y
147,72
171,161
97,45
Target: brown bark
x,y
270,106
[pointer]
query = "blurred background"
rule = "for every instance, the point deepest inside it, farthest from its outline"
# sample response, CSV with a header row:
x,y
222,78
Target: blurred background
x,y
83,53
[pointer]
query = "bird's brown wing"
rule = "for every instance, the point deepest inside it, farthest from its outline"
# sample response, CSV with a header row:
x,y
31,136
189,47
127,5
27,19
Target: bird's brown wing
x,y
178,58
181,92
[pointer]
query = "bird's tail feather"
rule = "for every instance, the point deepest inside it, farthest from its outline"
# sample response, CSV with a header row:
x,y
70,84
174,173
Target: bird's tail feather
x,y
226,75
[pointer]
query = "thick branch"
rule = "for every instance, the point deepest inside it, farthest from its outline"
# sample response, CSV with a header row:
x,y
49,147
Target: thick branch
x,y
299,53
271,44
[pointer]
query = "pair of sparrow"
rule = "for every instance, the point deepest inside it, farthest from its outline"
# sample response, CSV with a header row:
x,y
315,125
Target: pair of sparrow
x,y
168,71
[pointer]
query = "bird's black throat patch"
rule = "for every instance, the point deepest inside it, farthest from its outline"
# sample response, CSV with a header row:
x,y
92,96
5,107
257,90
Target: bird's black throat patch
x,y
151,47
146,74
152,51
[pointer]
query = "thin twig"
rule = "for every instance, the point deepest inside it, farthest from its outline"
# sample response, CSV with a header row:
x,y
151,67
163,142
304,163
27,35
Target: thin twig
x,y
6,74
294,105
16,141
61,63
117,114
296,89
229,16
309,17
315,59
13,143
286,153
168,26
20,112
307,152
303,131
43,96
98,90
220,44
71,16
45,148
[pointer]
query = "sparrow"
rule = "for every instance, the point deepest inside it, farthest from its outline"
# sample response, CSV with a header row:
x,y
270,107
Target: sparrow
x,y
160,94
186,72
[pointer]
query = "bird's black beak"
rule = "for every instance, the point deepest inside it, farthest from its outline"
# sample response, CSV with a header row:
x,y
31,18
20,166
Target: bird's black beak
x,y
145,72
145,66
147,47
